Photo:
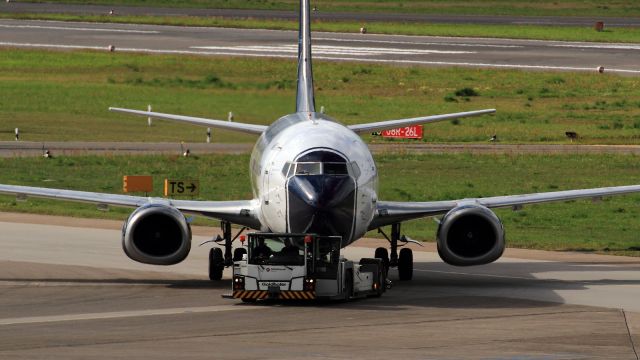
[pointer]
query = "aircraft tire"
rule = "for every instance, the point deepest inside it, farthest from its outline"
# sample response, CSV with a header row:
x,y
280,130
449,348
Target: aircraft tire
x,y
405,264
216,264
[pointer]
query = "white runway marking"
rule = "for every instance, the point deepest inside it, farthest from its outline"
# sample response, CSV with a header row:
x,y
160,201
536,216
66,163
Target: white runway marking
x,y
54,46
600,46
417,43
479,275
13,283
368,59
121,314
503,66
564,44
78,29
331,50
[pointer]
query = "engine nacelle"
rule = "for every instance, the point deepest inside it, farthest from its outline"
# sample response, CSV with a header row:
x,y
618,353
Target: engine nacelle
x,y
470,235
156,234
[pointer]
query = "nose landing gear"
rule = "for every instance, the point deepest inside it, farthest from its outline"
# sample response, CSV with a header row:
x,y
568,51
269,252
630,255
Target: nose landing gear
x,y
217,260
403,261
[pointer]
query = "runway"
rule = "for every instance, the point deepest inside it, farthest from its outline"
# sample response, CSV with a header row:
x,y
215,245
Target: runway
x,y
365,48
68,291
55,8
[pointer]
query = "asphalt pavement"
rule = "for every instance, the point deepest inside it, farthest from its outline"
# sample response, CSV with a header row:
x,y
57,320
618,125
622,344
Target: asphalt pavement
x,y
353,47
69,292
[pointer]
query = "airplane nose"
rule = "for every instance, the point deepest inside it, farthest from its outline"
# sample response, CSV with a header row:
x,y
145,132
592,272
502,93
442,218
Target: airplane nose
x,y
321,191
321,204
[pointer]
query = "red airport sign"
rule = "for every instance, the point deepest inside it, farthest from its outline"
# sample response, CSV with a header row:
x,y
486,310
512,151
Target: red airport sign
x,y
407,132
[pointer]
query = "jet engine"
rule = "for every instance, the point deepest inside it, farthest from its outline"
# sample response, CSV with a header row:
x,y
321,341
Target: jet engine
x,y
470,235
156,234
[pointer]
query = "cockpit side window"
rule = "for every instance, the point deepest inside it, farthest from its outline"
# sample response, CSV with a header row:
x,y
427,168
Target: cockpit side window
x,y
355,169
285,169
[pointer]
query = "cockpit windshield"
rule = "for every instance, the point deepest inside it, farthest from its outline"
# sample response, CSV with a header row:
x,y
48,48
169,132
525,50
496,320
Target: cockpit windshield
x,y
314,168
334,169
321,168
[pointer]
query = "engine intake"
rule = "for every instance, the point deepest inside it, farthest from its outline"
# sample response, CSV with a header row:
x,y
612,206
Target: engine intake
x,y
156,234
470,235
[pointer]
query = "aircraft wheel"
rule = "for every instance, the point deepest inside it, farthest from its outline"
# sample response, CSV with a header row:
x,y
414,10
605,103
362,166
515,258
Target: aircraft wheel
x,y
405,264
383,253
216,264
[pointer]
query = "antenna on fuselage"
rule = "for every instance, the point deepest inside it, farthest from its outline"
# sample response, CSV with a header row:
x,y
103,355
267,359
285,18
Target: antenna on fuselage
x,y
305,101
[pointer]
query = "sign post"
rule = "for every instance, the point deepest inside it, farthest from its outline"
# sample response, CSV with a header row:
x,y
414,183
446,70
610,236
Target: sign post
x,y
181,187
137,183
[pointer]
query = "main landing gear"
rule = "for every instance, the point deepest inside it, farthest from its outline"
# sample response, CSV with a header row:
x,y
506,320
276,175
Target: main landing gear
x,y
404,260
217,260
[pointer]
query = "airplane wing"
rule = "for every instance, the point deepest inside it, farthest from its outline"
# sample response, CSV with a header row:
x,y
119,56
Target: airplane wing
x,y
243,212
390,212
219,124
394,124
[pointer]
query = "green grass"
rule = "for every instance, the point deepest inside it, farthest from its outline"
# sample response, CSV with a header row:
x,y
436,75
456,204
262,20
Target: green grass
x,y
61,96
469,7
610,226
565,33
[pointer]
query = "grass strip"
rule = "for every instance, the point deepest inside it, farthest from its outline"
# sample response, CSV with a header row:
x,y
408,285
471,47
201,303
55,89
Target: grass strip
x,y
64,96
621,8
609,226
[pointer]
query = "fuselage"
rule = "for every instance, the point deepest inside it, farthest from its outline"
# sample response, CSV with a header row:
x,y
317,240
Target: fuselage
x,y
313,174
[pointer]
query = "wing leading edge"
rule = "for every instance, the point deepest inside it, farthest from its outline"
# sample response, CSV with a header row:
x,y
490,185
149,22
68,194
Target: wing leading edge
x,y
392,124
390,212
243,212
259,129
219,124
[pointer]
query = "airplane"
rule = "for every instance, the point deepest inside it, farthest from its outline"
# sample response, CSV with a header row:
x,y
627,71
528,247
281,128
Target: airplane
x,y
313,174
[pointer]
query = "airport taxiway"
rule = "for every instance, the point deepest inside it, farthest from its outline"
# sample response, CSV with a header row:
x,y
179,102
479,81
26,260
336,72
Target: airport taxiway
x,y
75,148
84,9
68,291
371,48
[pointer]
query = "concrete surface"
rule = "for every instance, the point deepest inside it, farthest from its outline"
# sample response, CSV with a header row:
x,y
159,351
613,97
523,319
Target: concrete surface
x,y
69,292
